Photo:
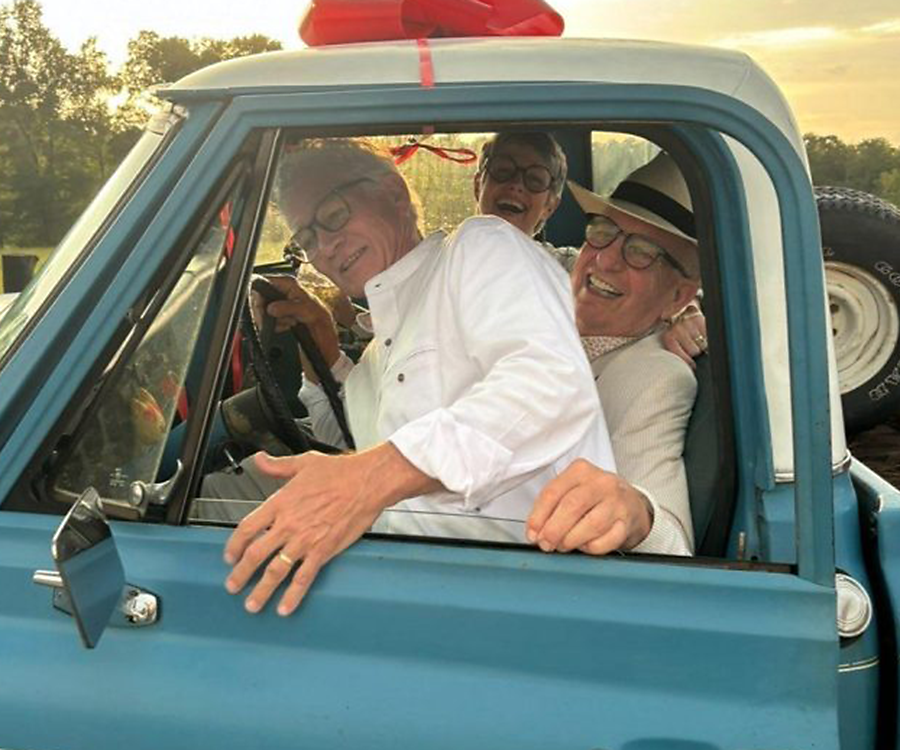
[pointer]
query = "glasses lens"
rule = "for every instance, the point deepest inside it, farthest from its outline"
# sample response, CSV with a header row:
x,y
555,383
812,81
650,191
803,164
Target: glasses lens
x,y
333,213
502,168
601,231
639,252
538,178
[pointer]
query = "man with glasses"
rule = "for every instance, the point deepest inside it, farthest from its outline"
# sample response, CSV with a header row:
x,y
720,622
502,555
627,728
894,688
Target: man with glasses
x,y
473,394
637,268
520,177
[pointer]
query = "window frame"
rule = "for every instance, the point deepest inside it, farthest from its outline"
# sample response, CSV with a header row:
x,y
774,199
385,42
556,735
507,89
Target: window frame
x,y
664,137
154,302
35,494
401,108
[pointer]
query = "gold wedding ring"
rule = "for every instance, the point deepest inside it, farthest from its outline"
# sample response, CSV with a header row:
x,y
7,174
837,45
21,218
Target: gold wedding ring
x,y
700,340
285,559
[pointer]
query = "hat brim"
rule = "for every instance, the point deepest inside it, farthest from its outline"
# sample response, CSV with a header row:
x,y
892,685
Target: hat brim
x,y
591,203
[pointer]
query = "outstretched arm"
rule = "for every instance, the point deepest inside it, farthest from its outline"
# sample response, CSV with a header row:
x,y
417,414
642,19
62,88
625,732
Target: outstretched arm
x,y
327,503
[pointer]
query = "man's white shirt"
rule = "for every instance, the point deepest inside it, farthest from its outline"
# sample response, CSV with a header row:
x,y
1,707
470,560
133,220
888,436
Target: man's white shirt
x,y
477,375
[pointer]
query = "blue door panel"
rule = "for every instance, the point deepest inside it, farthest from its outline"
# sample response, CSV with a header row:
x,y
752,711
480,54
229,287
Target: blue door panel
x,y
414,645
859,666
881,513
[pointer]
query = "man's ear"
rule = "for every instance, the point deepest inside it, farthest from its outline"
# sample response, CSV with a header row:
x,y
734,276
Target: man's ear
x,y
684,292
396,188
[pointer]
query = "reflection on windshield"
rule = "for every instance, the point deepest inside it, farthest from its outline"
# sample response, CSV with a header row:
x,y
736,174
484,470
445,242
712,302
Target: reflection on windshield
x,y
124,439
17,315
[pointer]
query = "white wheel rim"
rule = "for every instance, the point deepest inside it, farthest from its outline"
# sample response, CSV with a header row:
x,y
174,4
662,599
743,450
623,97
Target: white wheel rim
x,y
864,321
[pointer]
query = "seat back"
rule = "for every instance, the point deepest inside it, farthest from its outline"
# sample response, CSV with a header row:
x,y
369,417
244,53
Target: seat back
x,y
709,463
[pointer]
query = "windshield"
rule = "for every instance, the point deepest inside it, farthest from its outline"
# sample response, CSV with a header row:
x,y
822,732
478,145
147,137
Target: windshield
x,y
15,317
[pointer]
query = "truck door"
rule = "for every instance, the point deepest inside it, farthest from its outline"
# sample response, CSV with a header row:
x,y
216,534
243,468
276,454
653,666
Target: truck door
x,y
402,642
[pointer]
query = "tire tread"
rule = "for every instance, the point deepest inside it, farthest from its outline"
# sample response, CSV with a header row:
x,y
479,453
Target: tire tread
x,y
856,201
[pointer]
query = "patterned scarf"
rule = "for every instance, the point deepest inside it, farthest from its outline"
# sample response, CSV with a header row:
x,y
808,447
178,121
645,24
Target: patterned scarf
x,y
597,346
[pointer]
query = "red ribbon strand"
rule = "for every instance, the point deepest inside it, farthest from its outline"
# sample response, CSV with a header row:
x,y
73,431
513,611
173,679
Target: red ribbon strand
x,y
458,155
426,66
344,21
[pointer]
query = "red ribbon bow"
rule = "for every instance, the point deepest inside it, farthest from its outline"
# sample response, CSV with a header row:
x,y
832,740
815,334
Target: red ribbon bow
x,y
407,150
343,21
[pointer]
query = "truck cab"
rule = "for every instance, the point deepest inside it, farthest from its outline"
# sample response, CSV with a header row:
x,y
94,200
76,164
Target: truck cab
x,y
780,632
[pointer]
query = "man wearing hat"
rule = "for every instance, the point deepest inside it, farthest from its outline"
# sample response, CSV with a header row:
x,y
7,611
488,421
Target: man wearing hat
x,y
637,268
521,176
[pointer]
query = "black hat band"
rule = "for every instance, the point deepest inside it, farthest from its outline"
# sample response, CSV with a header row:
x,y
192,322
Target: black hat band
x,y
659,203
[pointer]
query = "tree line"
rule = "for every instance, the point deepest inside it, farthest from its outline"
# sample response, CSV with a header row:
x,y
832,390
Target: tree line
x,y
872,165
67,119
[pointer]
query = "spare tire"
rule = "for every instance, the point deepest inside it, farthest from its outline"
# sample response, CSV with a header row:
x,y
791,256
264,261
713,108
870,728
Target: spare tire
x,y
861,247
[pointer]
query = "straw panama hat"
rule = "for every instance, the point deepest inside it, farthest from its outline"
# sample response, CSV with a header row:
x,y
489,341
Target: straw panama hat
x,y
655,193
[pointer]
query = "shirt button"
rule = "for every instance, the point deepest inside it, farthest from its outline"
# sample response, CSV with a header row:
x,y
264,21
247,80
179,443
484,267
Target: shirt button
x,y
401,377
387,342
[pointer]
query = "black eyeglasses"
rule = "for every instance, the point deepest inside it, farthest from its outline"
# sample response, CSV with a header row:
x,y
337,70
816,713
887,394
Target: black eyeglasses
x,y
536,177
638,251
332,214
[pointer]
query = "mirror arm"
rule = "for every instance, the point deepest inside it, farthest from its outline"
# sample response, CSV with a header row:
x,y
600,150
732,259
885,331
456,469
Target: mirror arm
x,y
137,607
49,578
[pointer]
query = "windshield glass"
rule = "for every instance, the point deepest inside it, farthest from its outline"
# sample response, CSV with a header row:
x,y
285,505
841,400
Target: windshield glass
x,y
123,441
16,316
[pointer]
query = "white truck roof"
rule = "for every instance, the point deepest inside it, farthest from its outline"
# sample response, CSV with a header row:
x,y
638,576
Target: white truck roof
x,y
502,60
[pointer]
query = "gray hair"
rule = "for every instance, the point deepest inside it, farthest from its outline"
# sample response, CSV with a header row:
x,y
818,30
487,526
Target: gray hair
x,y
355,156
542,142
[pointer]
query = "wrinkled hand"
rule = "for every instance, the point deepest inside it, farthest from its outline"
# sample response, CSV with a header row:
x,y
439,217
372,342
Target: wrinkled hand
x,y
589,509
686,337
299,307
324,507
327,504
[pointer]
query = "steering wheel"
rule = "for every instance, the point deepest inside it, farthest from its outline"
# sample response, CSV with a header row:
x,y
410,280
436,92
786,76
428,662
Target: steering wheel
x,y
281,419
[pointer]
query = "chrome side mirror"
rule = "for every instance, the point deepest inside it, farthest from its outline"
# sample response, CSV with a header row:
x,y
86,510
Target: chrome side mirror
x,y
89,581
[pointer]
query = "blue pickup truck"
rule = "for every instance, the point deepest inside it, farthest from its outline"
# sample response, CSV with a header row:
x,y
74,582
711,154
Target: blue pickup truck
x,y
780,633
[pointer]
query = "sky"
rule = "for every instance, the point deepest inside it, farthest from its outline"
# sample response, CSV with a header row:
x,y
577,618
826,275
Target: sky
x,y
837,61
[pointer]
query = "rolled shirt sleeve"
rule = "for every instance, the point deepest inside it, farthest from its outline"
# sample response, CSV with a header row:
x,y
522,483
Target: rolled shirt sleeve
x,y
535,404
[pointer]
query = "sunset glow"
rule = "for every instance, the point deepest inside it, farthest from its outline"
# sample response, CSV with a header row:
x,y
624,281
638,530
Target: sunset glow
x,y
838,63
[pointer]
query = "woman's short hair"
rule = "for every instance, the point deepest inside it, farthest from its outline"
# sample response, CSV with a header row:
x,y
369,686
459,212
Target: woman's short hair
x,y
542,142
